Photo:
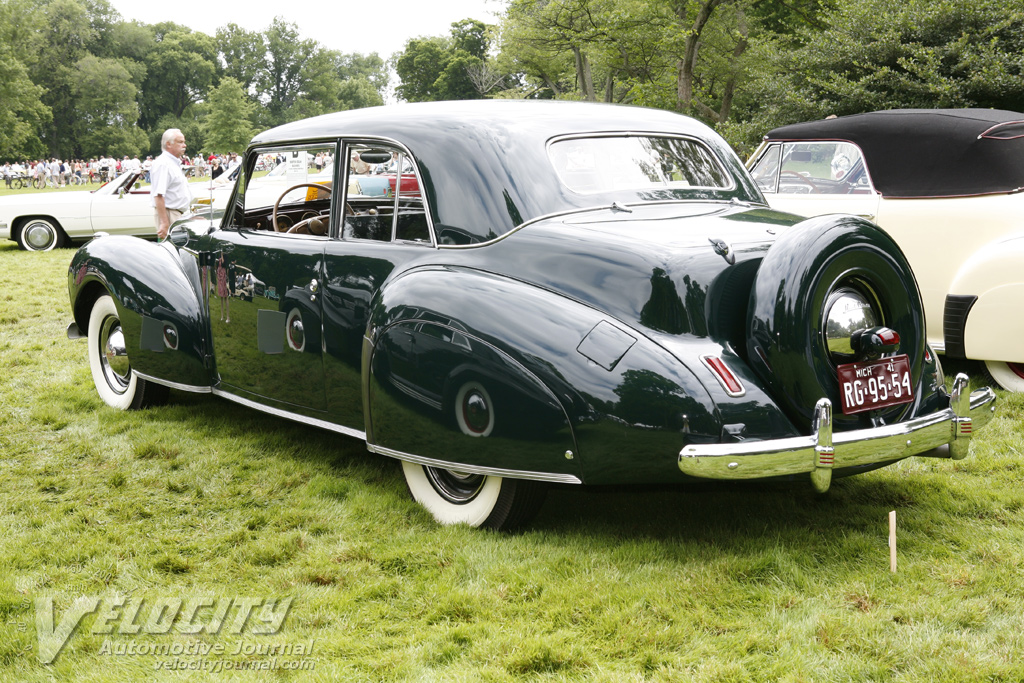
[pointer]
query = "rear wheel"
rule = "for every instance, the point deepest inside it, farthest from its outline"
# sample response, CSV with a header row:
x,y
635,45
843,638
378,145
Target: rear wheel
x,y
116,382
455,497
40,234
1009,376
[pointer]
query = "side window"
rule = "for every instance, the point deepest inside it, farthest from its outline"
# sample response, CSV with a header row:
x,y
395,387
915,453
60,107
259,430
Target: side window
x,y
822,168
383,202
289,190
766,170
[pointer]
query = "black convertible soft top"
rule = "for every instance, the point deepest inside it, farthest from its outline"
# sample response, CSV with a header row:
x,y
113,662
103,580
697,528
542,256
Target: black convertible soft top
x,y
929,152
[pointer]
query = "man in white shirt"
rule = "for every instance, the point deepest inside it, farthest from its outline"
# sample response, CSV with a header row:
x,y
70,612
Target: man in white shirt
x,y
169,189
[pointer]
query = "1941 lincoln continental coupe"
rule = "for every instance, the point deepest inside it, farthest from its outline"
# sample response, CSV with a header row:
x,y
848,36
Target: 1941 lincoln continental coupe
x,y
506,294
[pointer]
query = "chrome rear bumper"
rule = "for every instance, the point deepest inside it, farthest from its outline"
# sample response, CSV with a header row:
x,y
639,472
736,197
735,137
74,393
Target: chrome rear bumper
x,y
945,434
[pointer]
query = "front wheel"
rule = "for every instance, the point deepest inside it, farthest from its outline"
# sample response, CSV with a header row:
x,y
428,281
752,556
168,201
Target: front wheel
x,y
454,497
40,234
1009,376
112,373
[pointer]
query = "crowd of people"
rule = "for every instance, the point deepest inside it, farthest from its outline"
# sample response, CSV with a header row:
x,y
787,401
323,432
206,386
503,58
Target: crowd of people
x,y
59,173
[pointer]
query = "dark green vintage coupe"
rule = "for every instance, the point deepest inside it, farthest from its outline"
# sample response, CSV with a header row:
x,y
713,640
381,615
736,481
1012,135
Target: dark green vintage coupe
x,y
505,294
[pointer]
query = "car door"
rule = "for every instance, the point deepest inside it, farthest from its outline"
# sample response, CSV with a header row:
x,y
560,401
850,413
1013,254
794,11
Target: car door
x,y
123,208
815,178
267,322
378,233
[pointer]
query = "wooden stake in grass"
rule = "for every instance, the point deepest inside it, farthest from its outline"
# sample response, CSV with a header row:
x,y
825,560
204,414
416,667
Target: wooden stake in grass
x,y
892,541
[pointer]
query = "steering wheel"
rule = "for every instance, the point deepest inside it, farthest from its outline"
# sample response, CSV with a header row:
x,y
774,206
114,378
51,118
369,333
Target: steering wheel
x,y
803,179
273,216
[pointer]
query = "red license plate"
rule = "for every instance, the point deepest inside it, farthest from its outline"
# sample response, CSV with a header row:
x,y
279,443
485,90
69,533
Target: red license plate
x,y
875,384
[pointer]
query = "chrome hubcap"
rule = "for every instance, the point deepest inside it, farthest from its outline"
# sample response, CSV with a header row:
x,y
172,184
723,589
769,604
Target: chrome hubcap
x,y
39,235
455,487
847,310
114,356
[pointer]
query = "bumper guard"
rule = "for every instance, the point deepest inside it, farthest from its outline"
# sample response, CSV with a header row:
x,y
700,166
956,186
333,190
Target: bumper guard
x,y
945,434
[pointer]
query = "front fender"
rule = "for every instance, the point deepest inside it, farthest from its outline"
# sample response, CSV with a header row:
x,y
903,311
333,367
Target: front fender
x,y
627,404
156,289
992,284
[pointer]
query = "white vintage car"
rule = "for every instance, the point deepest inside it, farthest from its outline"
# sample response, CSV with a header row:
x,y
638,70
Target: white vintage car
x,y
44,221
946,184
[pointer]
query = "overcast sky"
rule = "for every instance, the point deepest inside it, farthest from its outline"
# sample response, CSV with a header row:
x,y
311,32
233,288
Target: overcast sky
x,y
364,26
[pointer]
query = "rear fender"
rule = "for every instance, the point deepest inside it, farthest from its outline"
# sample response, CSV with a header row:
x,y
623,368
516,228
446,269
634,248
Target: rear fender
x,y
155,288
624,405
993,282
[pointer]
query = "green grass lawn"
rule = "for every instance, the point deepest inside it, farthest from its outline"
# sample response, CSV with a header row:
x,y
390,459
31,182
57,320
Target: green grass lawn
x,y
206,499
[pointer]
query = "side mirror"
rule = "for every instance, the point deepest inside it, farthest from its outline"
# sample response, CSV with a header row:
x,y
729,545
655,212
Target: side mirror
x,y
120,193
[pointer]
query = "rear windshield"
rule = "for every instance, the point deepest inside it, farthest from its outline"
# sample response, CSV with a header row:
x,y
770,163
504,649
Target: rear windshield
x,y
603,164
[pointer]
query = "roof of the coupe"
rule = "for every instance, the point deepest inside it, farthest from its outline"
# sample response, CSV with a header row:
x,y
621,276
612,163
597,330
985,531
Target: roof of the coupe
x,y
929,152
545,117
484,165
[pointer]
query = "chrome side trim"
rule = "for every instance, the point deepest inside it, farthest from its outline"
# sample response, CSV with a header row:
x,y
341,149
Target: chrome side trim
x,y
474,469
193,388
409,391
822,451
304,419
578,210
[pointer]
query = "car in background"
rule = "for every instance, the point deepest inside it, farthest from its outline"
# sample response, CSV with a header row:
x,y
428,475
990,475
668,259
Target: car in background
x,y
946,184
41,222
552,292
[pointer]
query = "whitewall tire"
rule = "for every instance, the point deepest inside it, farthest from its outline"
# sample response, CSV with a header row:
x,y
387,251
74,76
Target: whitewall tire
x,y
116,382
454,497
1009,376
40,234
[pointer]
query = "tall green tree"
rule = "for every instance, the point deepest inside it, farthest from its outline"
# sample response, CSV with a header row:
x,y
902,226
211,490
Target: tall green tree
x,y
243,54
62,42
106,110
441,68
228,123
595,50
875,54
327,86
282,81
180,70
22,113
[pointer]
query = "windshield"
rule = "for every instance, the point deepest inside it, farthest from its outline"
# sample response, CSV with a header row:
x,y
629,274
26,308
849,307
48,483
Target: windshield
x,y
602,164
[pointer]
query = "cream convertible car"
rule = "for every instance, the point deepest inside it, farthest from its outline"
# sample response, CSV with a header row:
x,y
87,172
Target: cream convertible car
x,y
946,184
41,222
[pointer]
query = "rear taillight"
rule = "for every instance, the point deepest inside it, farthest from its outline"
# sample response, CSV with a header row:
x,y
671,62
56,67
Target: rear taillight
x,y
724,375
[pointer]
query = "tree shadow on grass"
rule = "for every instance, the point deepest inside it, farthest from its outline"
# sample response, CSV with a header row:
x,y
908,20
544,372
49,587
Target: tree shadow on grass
x,y
730,514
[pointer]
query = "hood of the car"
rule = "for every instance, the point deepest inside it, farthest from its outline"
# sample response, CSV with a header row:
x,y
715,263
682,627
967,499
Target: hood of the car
x,y
679,268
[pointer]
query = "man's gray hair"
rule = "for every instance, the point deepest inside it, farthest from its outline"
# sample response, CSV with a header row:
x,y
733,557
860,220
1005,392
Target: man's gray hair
x,y
169,135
